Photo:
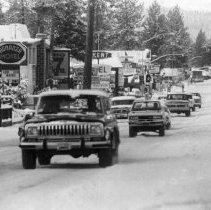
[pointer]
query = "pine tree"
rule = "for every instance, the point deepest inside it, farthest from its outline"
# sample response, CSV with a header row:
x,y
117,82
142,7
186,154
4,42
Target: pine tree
x,y
155,30
104,25
179,42
14,15
2,19
199,49
128,19
70,28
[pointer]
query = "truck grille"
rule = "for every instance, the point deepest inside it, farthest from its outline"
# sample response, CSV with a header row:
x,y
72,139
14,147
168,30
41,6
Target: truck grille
x,y
69,129
145,118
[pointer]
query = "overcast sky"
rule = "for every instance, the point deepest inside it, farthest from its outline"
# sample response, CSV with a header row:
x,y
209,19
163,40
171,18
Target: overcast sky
x,y
202,5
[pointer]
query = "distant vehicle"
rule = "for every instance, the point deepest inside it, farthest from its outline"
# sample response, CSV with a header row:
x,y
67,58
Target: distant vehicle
x,y
197,99
148,116
197,76
70,122
178,103
121,105
206,72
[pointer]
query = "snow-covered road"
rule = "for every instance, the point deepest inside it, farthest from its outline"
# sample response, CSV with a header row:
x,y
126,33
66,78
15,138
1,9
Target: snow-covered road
x,y
154,173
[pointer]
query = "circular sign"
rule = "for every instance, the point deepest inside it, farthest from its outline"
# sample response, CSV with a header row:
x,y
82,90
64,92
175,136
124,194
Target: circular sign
x,y
12,53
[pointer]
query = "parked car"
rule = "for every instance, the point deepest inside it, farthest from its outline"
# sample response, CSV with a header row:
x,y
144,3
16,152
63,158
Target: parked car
x,y
71,122
178,103
148,116
197,99
121,105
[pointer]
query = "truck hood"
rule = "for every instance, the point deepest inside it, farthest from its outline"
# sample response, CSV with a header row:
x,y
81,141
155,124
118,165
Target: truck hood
x,y
67,117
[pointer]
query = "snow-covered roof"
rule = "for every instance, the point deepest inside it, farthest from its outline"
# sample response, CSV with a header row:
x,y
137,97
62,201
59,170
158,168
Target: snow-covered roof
x,y
15,31
76,63
169,72
61,49
119,56
136,56
75,93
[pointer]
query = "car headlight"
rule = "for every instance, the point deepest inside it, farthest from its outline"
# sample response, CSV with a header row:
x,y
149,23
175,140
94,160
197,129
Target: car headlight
x,y
157,117
32,132
133,117
96,129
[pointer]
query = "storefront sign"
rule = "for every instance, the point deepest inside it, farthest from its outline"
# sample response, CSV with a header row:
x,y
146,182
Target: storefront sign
x,y
154,69
12,53
11,76
60,64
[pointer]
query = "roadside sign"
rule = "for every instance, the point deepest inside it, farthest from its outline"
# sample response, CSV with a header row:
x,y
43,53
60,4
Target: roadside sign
x,y
154,69
100,55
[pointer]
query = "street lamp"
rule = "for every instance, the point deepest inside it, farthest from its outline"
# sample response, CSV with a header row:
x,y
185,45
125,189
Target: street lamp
x,y
157,36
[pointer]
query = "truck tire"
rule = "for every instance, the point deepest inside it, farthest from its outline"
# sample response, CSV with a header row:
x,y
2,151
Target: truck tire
x,y
28,159
162,131
194,109
105,157
132,133
188,113
44,160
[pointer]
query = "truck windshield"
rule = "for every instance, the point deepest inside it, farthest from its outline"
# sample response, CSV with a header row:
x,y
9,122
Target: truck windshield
x,y
177,97
63,103
142,106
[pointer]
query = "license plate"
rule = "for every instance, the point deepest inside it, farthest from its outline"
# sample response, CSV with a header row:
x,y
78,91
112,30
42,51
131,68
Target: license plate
x,y
63,146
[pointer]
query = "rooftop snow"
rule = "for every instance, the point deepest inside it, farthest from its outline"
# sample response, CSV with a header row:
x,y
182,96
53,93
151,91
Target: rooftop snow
x,y
13,32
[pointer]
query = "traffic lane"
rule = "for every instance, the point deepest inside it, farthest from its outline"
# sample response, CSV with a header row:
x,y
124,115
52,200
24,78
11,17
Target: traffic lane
x,y
148,165
9,136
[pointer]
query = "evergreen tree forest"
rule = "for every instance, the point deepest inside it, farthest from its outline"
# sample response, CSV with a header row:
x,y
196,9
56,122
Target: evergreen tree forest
x,y
118,25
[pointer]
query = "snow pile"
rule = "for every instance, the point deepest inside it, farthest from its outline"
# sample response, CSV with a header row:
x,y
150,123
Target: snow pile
x,y
18,115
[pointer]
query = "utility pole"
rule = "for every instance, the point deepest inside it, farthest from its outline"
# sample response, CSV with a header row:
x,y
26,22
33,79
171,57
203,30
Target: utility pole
x,y
89,46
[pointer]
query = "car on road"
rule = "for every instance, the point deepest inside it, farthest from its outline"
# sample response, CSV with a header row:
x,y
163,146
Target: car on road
x,y
178,103
70,122
148,115
121,105
197,99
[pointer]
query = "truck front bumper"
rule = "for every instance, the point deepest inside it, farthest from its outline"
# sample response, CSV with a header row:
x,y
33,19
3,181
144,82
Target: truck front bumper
x,y
61,145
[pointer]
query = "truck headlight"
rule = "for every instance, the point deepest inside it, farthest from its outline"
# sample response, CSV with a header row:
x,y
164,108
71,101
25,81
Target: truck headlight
x,y
32,132
96,129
